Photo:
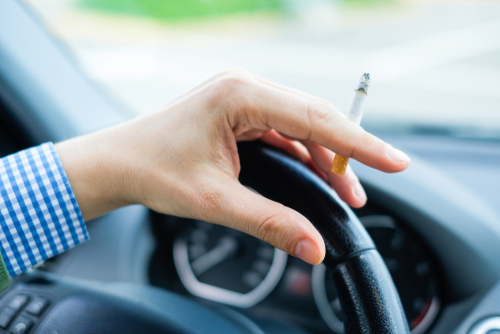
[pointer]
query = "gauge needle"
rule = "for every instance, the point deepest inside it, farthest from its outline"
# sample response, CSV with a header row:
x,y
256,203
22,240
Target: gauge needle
x,y
225,248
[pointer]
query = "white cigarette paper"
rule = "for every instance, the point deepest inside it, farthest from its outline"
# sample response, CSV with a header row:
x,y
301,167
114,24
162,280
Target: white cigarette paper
x,y
354,114
357,105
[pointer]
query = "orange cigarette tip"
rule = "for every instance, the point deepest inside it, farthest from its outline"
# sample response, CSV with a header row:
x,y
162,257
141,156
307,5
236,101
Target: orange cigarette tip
x,y
339,165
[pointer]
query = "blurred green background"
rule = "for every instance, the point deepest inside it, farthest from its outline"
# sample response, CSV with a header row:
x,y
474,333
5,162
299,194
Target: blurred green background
x,y
186,9
182,9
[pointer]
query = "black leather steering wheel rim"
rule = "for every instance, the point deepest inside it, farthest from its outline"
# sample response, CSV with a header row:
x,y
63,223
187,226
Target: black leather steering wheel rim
x,y
366,291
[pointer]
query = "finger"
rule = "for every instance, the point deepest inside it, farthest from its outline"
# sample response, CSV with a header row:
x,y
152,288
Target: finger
x,y
284,228
347,186
250,135
319,122
293,148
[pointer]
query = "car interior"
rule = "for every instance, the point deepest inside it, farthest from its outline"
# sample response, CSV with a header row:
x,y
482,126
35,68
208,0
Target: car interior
x,y
435,228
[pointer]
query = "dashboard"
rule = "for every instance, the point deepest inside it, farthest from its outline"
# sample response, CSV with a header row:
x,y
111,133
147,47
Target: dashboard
x,y
220,265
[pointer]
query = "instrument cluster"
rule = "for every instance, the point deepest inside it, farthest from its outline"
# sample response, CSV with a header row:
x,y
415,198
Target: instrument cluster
x,y
220,265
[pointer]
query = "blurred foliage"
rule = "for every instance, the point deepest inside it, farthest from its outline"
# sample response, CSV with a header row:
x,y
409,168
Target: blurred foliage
x,y
186,9
365,3
181,9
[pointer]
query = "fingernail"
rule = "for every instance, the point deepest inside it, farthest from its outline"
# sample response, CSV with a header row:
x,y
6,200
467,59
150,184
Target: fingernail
x,y
306,251
359,192
396,155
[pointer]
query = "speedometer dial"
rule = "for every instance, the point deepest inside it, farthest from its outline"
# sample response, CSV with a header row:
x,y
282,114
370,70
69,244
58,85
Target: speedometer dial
x,y
227,266
410,267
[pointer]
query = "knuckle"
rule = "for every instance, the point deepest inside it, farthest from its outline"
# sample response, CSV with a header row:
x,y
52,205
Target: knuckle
x,y
269,227
320,113
231,88
234,80
364,140
272,229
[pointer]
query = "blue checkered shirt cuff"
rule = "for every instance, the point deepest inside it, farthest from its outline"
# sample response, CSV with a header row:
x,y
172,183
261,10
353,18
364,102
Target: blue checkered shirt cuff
x,y
39,215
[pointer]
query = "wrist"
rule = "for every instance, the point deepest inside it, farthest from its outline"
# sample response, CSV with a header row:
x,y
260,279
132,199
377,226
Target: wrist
x,y
94,173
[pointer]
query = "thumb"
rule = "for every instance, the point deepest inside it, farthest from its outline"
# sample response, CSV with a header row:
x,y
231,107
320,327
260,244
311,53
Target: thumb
x,y
282,227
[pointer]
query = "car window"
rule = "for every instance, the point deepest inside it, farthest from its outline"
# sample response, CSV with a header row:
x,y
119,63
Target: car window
x,y
434,64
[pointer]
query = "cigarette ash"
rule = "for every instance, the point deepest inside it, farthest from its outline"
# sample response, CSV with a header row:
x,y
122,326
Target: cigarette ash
x,y
364,82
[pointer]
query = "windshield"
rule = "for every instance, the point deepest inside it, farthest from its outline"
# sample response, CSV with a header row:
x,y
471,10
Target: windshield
x,y
434,64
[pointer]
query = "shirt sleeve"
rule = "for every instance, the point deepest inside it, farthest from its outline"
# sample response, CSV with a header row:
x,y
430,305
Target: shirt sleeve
x,y
39,215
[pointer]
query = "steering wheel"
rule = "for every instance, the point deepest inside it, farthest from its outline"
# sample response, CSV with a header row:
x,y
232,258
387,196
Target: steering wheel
x,y
369,299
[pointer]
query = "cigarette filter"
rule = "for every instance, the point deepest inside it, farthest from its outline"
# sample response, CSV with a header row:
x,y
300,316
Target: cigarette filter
x,y
354,114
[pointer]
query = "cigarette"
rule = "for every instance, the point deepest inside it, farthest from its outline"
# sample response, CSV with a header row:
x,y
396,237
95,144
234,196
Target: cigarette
x,y
354,114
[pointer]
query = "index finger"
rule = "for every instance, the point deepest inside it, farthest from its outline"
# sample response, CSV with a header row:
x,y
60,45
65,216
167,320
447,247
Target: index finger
x,y
319,121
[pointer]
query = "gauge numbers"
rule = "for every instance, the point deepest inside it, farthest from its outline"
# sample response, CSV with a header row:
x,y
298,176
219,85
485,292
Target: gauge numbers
x,y
227,266
410,268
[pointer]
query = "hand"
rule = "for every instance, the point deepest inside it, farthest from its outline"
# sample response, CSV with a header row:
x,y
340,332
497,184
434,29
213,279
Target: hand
x,y
182,159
